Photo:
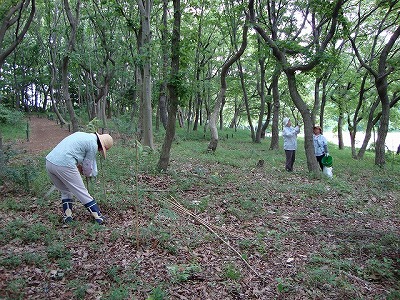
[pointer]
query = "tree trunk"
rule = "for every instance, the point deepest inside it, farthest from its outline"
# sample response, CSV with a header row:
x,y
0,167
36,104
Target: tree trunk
x,y
370,125
221,95
173,90
267,120
312,163
246,101
275,111
340,127
145,10
261,93
73,21
163,101
382,88
317,104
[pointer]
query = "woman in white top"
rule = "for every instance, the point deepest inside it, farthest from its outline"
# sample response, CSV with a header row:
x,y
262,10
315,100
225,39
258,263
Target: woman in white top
x,y
72,157
289,134
320,145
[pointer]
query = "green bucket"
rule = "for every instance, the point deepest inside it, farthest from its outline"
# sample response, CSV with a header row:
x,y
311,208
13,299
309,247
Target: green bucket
x,y
327,161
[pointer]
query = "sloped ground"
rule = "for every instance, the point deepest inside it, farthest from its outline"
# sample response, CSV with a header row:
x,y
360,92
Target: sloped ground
x,y
300,241
44,134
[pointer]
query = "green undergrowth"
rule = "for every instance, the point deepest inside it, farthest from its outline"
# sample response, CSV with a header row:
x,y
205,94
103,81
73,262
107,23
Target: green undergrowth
x,y
339,234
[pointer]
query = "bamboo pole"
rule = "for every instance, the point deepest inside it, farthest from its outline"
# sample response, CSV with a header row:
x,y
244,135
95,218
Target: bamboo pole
x,y
181,209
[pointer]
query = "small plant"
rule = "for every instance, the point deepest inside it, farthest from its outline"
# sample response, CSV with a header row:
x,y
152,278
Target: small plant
x,y
117,293
58,250
37,232
376,269
157,294
231,272
182,273
80,291
15,288
93,125
11,261
282,287
114,273
32,258
20,172
322,276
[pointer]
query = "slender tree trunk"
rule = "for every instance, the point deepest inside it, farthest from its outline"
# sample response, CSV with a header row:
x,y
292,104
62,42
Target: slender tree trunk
x,y
323,103
145,10
163,101
221,95
312,163
267,120
340,127
173,90
73,21
316,115
370,126
261,93
246,101
274,145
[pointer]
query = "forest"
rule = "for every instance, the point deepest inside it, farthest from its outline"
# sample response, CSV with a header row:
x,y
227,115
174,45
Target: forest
x,y
196,198
210,65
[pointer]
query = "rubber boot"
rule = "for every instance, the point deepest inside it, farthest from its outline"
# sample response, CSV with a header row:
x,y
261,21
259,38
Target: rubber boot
x,y
94,209
67,210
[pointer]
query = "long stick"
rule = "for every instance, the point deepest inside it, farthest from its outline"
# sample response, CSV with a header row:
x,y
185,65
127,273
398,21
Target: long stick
x,y
137,196
102,178
182,209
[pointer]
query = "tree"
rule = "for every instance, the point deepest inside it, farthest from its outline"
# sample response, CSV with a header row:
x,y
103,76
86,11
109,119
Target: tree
x,y
145,7
173,88
387,22
221,94
73,22
13,20
324,22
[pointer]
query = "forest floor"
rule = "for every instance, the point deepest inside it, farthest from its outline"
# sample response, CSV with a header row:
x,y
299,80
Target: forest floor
x,y
301,240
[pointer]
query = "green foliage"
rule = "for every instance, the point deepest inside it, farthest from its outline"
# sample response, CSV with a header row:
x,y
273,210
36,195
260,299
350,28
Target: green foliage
x,y
14,289
231,272
113,273
376,269
117,293
18,229
58,250
283,285
11,261
182,273
79,288
10,116
93,125
158,293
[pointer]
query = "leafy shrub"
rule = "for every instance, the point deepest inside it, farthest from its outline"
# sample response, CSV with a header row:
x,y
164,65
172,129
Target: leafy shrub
x,y
8,116
21,172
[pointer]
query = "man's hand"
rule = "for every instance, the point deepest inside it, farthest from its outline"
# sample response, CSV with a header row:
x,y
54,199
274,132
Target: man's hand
x,y
326,154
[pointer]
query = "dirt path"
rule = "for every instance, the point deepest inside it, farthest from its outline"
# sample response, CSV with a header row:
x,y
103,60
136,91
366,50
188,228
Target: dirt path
x,y
44,134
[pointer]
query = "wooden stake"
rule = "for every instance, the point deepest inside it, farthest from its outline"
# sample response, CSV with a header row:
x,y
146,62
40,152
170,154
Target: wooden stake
x,y
180,208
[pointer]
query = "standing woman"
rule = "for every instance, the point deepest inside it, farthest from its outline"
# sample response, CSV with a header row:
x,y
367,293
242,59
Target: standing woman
x,y
72,157
289,134
320,145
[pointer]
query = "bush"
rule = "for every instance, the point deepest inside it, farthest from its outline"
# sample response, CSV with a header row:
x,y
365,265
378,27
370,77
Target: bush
x,y
8,116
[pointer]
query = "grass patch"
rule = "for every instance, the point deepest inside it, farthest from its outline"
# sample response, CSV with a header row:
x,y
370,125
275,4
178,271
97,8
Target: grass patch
x,y
340,234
